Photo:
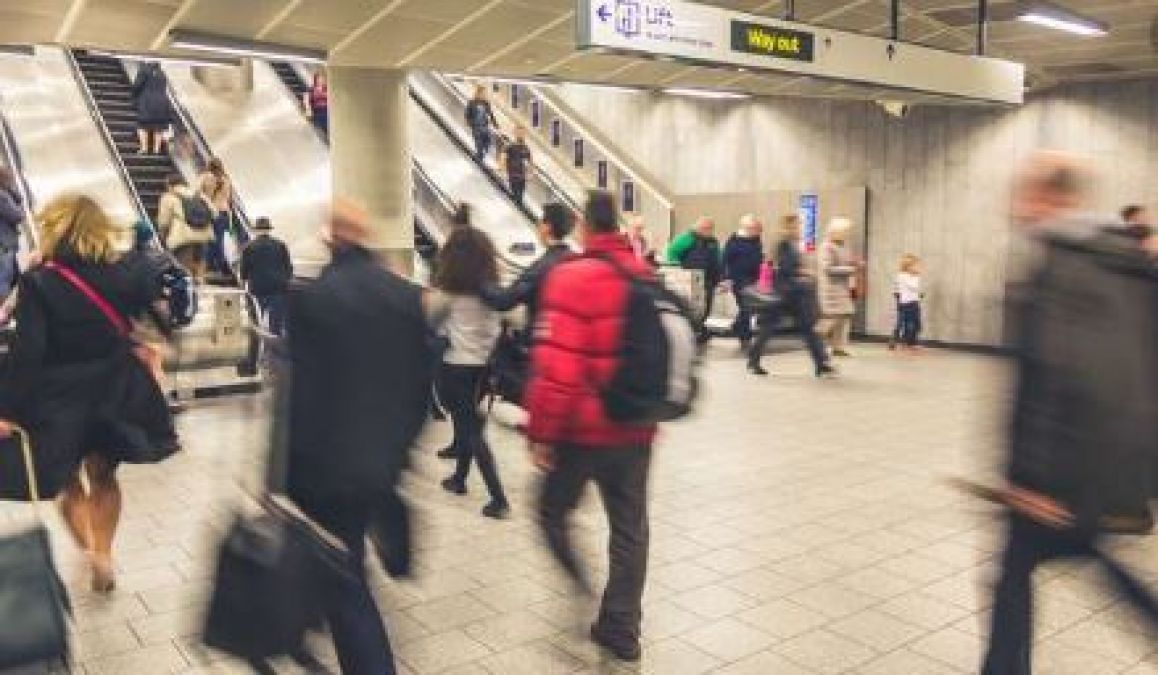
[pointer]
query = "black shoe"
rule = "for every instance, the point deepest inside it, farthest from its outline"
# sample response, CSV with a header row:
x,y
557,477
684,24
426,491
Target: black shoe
x,y
496,509
826,371
757,369
622,647
447,453
454,486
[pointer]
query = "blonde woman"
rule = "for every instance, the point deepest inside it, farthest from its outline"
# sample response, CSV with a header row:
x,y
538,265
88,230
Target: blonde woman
x,y
837,273
71,378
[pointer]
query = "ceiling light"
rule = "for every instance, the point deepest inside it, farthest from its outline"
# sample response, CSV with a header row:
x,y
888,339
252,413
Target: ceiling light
x,y
1059,18
222,44
168,58
706,93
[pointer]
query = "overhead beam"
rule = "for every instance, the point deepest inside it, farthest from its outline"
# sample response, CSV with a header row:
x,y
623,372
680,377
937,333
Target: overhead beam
x,y
526,39
70,19
281,16
358,32
172,23
441,37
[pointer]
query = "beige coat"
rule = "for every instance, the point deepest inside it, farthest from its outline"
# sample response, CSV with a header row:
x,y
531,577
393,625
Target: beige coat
x,y
218,192
836,274
171,220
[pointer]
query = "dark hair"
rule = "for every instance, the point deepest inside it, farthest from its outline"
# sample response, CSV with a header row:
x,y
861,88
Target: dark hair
x,y
173,180
1131,211
215,167
559,220
466,262
461,216
7,178
601,213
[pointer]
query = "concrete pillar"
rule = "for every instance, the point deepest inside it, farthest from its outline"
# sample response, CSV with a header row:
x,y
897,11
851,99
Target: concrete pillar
x,y
370,154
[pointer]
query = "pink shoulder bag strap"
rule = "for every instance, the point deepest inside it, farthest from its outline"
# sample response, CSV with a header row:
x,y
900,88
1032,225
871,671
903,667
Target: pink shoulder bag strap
x,y
118,322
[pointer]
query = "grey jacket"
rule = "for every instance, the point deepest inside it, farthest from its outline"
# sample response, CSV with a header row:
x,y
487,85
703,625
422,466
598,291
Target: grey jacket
x,y
11,215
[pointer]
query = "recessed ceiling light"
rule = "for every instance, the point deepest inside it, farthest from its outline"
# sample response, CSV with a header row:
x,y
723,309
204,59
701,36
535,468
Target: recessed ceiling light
x,y
706,93
1060,18
223,44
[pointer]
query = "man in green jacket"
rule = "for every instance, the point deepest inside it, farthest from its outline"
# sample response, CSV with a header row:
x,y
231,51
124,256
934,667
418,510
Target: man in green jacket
x,y
698,249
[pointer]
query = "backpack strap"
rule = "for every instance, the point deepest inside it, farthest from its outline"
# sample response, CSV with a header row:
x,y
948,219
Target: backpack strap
x,y
119,323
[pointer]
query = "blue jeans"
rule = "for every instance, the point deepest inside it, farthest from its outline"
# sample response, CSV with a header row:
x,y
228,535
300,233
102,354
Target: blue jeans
x,y
482,143
355,622
273,308
909,318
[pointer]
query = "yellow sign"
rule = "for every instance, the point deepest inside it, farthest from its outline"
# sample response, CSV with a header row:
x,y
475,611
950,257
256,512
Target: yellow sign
x,y
781,43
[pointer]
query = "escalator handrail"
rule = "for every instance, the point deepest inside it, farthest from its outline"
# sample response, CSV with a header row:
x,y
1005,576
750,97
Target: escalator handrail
x,y
448,204
110,144
540,172
14,161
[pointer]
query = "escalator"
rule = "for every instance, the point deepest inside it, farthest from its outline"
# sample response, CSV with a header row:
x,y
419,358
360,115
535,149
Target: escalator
x,y
444,174
112,93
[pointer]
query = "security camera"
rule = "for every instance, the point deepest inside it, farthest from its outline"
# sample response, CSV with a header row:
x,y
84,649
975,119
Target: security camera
x,y
898,109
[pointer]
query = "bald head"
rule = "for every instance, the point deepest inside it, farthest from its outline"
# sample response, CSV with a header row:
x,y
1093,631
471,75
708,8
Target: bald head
x,y
1050,185
349,225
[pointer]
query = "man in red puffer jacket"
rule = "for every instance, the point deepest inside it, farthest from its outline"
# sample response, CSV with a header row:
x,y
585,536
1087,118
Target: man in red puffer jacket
x,y
576,354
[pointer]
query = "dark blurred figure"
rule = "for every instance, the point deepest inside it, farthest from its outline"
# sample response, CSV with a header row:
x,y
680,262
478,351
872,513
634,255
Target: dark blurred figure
x,y
467,263
553,230
267,270
517,161
1084,422
11,216
796,288
362,374
743,256
480,117
583,306
154,112
699,249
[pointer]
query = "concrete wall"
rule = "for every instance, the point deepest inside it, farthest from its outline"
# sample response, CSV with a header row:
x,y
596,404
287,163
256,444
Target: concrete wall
x,y
938,179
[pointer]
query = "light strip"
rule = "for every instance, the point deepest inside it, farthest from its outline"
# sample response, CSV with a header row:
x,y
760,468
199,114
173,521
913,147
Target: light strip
x,y
220,44
706,93
168,58
1058,18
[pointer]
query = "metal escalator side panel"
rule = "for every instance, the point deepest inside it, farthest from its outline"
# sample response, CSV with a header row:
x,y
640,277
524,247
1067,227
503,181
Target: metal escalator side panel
x,y
279,166
58,139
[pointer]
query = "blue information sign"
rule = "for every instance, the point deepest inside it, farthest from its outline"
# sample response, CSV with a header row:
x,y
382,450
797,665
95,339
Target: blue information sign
x,y
628,197
556,133
601,174
536,114
809,212
579,153
515,96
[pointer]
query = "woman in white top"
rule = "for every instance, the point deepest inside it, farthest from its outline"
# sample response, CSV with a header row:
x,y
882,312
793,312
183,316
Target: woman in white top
x,y
908,290
465,265
217,190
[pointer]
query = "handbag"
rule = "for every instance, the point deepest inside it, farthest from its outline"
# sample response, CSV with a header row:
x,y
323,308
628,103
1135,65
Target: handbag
x,y
33,601
274,567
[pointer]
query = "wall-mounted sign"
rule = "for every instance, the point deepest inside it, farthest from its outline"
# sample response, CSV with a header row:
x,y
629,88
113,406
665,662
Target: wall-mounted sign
x,y
536,114
693,32
780,43
579,153
628,196
556,133
601,174
809,215
515,96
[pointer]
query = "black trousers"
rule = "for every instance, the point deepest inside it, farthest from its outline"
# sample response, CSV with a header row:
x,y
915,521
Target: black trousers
x,y
799,304
909,320
742,327
621,476
482,142
458,389
518,188
1030,544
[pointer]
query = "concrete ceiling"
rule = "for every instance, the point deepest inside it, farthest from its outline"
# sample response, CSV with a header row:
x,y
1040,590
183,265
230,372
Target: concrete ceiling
x,y
520,38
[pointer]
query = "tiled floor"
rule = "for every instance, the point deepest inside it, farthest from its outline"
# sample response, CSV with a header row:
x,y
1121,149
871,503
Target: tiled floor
x,y
798,526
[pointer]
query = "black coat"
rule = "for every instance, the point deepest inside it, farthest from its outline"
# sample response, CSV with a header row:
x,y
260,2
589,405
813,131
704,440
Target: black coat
x,y
361,380
72,380
525,290
1085,424
742,259
151,96
266,266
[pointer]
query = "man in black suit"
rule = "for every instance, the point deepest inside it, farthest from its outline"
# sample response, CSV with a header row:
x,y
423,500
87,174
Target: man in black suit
x,y
362,375
267,269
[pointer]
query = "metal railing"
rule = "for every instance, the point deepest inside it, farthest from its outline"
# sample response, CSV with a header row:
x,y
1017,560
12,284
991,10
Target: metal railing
x,y
11,154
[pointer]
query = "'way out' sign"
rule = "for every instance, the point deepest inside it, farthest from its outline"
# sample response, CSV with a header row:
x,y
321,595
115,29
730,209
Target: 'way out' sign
x,y
710,35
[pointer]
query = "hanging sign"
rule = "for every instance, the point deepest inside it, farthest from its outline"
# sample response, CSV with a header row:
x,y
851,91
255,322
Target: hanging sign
x,y
698,33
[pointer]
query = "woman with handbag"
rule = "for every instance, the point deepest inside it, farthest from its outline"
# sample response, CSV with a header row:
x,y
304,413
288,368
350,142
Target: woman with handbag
x,y
466,264
72,379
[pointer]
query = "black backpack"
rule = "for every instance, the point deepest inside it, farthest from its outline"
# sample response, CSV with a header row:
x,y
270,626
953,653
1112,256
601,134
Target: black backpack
x,y
656,378
198,215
